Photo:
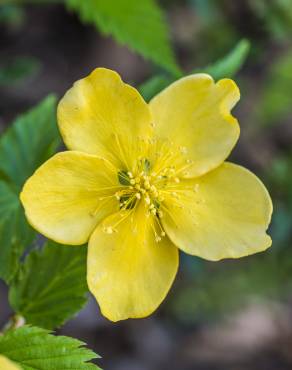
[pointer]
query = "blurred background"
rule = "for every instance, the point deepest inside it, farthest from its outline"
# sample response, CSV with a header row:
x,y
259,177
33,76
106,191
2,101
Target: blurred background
x,y
229,315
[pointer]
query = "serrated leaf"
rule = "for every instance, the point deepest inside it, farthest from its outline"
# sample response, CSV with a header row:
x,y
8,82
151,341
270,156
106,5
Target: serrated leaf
x,y
225,67
51,285
33,348
32,138
15,233
138,24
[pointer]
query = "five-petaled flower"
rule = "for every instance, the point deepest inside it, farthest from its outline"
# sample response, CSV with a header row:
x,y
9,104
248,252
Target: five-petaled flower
x,y
141,181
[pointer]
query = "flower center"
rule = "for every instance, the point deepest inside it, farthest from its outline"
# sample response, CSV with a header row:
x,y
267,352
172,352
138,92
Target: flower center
x,y
144,185
141,186
151,180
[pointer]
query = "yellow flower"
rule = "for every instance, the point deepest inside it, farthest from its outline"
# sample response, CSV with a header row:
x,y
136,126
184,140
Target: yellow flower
x,y
6,364
140,181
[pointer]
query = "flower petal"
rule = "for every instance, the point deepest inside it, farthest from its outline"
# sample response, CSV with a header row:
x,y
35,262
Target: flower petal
x,y
224,214
194,113
6,364
102,115
128,272
63,199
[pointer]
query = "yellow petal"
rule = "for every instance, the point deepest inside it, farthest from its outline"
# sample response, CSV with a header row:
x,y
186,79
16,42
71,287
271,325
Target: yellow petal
x,y
102,115
65,198
194,114
6,364
224,214
129,273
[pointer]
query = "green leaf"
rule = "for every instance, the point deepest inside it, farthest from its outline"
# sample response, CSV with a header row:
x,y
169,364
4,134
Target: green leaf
x,y
18,69
225,67
138,24
51,285
155,84
36,349
230,64
31,139
15,233
275,100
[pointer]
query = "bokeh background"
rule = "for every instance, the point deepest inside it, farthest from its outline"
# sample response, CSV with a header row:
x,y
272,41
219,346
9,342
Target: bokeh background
x,y
229,315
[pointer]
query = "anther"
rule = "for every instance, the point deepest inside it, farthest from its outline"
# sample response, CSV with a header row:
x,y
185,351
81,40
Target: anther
x,y
196,188
138,195
108,230
147,184
183,149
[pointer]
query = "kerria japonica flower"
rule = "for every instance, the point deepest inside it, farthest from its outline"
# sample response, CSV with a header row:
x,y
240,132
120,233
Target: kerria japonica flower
x,y
141,181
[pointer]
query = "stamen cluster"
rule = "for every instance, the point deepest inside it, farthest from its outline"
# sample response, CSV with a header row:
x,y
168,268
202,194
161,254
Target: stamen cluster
x,y
141,187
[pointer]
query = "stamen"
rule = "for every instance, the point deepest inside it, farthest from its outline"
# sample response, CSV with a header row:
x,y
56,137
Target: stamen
x,y
183,149
147,200
108,230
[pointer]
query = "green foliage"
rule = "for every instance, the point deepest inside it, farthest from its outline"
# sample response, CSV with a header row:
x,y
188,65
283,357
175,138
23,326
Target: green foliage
x,y
138,24
276,16
36,349
18,69
227,66
15,233
154,85
230,64
31,139
51,285
219,291
275,102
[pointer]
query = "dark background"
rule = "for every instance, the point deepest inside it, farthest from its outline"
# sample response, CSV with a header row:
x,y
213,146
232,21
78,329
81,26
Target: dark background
x,y
230,315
